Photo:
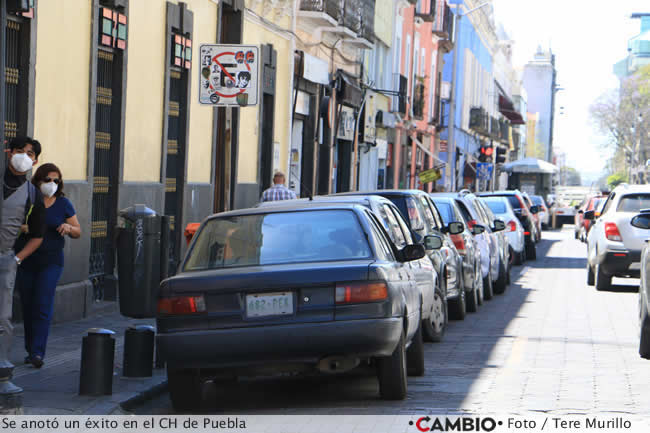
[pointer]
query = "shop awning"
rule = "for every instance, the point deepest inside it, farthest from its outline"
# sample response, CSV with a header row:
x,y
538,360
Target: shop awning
x,y
437,161
507,109
530,165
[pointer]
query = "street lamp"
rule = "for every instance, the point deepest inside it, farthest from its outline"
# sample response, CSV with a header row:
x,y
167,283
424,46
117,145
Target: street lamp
x,y
451,140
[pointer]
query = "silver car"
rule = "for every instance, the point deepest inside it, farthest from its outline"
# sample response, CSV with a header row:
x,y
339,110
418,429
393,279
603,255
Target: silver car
x,y
613,244
514,231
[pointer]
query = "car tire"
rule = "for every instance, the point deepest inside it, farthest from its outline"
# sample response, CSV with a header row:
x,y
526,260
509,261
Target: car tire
x,y
391,373
644,334
508,274
518,258
603,282
458,306
436,325
590,275
185,388
415,354
488,291
502,282
480,293
531,252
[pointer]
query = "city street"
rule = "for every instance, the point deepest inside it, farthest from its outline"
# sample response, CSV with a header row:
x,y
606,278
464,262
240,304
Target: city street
x,y
550,344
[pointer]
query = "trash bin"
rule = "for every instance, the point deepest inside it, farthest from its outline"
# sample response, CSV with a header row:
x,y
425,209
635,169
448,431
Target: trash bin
x,y
138,351
97,354
139,255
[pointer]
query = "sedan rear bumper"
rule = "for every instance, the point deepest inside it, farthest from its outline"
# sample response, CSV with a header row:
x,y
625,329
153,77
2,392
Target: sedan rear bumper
x,y
621,263
305,343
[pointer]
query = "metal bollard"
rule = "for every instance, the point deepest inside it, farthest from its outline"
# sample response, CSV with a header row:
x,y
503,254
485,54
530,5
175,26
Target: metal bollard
x,y
97,354
138,351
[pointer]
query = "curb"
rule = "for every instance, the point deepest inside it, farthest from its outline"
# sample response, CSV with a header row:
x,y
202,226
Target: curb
x,y
141,397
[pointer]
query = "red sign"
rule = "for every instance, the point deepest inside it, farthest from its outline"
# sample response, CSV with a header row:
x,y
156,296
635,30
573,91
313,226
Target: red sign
x,y
443,145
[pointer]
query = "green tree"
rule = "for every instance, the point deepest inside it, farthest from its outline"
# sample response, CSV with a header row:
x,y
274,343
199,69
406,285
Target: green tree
x,y
616,179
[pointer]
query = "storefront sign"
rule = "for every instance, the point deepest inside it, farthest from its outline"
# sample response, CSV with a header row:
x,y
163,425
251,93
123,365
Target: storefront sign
x,y
369,127
229,75
302,103
443,145
315,70
346,124
382,148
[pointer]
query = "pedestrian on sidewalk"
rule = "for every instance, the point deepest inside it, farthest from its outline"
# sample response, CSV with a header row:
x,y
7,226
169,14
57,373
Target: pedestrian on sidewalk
x,y
278,191
22,204
38,276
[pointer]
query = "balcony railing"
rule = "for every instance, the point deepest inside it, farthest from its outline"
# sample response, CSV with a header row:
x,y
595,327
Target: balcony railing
x,y
443,22
426,9
352,15
505,131
495,128
334,8
418,100
368,20
479,120
398,104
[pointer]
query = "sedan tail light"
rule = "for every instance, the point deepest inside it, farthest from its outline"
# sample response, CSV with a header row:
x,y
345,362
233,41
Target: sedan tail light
x,y
459,243
182,305
612,233
360,292
471,224
512,226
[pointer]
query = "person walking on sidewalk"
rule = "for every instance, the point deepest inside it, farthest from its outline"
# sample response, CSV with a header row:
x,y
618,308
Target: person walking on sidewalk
x,y
278,191
38,276
22,204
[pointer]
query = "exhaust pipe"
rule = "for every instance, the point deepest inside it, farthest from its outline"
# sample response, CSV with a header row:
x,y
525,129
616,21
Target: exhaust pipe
x,y
337,364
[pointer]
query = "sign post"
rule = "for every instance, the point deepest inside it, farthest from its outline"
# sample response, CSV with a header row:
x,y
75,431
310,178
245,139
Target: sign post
x,y
229,75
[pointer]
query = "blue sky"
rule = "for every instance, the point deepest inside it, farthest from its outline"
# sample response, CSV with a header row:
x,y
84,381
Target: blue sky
x,y
588,37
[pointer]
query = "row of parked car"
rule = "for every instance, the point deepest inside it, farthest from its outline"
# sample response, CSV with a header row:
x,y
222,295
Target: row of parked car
x,y
331,282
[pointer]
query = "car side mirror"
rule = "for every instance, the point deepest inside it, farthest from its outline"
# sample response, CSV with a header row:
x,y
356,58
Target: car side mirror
x,y
641,221
412,252
534,209
498,226
455,228
589,215
432,242
478,229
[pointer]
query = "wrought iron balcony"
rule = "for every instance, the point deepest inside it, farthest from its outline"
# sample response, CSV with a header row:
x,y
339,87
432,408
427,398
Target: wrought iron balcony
x,y
479,120
398,103
368,20
426,9
443,24
323,12
418,99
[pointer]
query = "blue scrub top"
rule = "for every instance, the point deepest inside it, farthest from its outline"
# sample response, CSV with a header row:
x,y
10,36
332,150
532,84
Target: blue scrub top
x,y
51,250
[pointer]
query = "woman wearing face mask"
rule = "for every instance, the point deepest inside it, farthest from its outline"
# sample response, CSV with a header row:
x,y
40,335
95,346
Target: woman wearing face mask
x,y
39,274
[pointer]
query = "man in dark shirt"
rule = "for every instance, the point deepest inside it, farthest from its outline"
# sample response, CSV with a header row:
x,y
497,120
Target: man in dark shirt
x,y
21,201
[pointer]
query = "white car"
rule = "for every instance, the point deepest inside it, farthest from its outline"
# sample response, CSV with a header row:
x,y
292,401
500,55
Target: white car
x,y
514,231
613,244
544,215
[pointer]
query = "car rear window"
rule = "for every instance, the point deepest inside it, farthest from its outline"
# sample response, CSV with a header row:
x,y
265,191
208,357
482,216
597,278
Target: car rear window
x,y
514,201
634,203
497,206
445,211
277,238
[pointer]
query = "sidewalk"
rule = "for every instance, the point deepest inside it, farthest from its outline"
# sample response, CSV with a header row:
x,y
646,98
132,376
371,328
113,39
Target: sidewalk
x,y
54,388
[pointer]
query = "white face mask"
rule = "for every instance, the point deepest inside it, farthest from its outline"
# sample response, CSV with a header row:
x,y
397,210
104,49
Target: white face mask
x,y
48,189
21,162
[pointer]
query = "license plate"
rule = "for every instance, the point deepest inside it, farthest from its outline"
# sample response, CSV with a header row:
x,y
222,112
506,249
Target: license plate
x,y
269,304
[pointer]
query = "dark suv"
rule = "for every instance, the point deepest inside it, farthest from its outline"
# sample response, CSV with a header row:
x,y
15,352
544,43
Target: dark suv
x,y
525,216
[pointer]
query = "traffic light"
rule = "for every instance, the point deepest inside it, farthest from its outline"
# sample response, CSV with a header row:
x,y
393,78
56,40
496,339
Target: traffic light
x,y
485,153
501,154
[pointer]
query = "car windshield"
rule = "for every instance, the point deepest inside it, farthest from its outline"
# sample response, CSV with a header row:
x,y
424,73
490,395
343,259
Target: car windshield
x,y
634,203
445,211
497,206
276,238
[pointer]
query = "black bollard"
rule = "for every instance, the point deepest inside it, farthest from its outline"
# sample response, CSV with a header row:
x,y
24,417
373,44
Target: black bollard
x,y
97,354
138,351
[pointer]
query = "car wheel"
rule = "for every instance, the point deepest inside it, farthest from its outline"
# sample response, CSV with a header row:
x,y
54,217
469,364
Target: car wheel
x,y
603,282
644,322
185,388
590,275
391,373
502,281
488,292
518,258
472,299
531,251
436,325
458,306
415,354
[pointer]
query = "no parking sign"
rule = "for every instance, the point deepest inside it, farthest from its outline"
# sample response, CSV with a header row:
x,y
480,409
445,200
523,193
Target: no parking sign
x,y
229,75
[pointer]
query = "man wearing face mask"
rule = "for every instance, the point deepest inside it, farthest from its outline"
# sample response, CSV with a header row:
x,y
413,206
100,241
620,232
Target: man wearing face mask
x,y
22,204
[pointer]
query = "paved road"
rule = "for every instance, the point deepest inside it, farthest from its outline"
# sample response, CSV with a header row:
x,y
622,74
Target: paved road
x,y
549,344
